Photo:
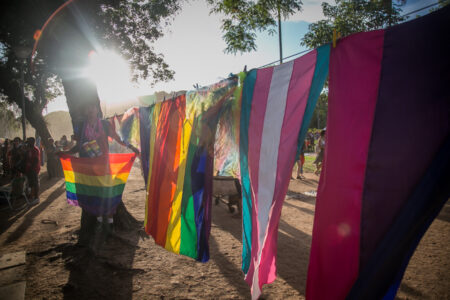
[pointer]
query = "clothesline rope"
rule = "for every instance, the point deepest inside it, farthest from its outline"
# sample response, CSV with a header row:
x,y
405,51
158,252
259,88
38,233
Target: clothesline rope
x,y
304,51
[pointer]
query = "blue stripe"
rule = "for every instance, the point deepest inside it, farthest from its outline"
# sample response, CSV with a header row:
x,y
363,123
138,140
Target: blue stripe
x,y
198,189
95,205
247,97
145,113
382,274
319,77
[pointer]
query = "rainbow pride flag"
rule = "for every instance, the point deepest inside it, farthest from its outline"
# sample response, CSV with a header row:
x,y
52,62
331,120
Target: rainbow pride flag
x,y
277,104
386,169
96,184
177,148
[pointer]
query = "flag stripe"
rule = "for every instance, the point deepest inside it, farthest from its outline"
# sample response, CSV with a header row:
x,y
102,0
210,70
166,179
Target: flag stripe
x,y
173,238
354,79
258,109
247,97
88,168
96,181
95,205
320,75
98,191
297,97
155,119
145,116
271,131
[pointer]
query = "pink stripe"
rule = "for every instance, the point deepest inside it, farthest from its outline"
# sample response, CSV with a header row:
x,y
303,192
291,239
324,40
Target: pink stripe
x,y
256,123
355,66
297,98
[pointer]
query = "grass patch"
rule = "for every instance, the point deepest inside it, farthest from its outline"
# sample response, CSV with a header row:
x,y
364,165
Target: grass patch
x,y
309,166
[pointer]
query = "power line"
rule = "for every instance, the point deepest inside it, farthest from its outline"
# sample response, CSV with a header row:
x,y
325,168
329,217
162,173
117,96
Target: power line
x,y
304,51
420,9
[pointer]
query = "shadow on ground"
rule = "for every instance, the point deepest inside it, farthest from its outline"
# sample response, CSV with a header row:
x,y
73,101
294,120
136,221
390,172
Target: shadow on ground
x,y
33,212
103,271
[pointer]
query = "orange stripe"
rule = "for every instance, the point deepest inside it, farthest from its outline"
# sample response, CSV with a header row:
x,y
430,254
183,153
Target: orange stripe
x,y
99,166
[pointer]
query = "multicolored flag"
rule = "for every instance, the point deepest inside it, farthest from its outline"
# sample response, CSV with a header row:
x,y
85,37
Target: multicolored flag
x,y
276,103
96,184
180,150
386,169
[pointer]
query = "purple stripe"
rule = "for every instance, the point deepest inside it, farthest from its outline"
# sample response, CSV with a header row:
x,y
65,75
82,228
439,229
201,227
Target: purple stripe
x,y
411,121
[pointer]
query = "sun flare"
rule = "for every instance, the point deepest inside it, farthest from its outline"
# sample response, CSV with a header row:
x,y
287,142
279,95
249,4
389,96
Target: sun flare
x,y
111,74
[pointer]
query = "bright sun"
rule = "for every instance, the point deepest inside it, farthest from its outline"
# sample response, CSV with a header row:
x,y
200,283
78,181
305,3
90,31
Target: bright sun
x,y
112,77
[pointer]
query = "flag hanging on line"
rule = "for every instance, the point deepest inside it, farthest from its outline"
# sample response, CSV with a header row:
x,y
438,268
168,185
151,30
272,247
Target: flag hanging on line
x,y
277,105
386,166
179,143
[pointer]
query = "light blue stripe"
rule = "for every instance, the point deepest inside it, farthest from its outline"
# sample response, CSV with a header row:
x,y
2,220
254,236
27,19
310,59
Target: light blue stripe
x,y
247,96
320,75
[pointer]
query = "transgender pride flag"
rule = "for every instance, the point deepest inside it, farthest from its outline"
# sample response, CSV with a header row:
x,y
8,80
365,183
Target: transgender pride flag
x,y
277,105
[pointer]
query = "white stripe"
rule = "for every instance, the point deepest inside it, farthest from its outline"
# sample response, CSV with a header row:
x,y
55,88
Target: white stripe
x,y
273,121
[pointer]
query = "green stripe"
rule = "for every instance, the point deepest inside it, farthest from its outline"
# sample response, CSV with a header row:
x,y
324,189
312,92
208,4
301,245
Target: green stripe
x,y
247,98
188,245
103,192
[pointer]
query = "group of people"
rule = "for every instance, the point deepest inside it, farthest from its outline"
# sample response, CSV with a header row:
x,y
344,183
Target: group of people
x,y
309,144
54,168
22,159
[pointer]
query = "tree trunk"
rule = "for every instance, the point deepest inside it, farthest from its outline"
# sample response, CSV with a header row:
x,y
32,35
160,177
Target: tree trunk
x,y
79,93
34,116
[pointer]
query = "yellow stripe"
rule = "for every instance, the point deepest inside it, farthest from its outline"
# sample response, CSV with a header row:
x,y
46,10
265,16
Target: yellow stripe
x,y
101,181
153,128
173,239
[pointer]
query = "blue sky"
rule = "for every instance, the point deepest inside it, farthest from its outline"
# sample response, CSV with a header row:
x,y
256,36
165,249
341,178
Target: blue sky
x,y
193,47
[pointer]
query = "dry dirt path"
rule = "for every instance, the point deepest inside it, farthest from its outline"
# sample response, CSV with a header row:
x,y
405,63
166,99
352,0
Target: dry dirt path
x,y
132,266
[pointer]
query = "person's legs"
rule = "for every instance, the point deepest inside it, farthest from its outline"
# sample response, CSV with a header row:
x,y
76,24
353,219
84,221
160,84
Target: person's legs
x,y
300,163
33,182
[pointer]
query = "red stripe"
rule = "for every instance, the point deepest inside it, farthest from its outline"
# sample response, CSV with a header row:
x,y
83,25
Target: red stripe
x,y
99,166
165,167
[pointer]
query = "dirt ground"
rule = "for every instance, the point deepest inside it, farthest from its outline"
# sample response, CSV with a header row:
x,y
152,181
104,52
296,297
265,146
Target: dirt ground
x,y
132,266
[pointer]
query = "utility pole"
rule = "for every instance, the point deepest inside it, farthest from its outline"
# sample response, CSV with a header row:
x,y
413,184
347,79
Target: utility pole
x,y
279,35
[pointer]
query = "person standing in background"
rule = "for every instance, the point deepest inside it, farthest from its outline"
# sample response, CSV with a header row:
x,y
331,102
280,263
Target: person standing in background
x,y
32,168
5,160
321,148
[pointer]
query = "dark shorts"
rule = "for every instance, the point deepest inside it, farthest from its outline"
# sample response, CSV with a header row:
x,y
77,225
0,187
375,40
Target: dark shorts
x,y
33,179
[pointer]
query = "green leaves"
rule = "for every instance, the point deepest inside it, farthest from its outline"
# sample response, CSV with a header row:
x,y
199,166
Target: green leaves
x,y
349,17
242,19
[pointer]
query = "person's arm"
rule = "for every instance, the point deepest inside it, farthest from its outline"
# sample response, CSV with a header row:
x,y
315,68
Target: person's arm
x,y
113,134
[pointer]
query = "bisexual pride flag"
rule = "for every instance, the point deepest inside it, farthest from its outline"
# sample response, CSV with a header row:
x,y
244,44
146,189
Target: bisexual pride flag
x,y
386,171
277,106
96,184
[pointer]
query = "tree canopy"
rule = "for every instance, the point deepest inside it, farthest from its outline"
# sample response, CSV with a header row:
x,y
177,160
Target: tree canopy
x,y
129,27
348,17
243,19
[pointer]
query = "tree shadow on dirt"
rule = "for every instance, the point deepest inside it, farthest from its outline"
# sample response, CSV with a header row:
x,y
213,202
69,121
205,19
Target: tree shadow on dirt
x,y
302,197
228,269
293,256
28,219
45,183
302,209
102,271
